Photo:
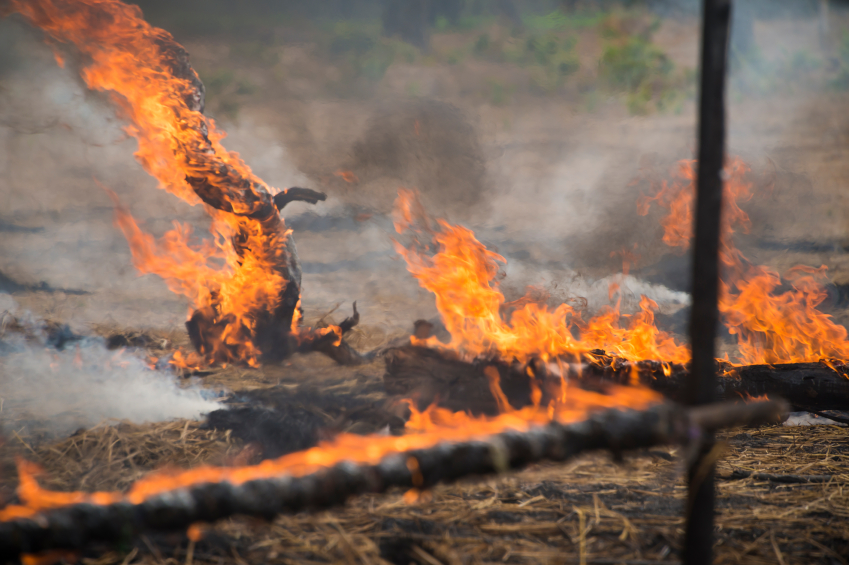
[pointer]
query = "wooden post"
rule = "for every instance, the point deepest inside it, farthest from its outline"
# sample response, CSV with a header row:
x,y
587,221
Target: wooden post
x,y
698,549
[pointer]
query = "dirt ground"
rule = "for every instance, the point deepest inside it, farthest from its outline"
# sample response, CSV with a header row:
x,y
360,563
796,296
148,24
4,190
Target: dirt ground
x,y
546,181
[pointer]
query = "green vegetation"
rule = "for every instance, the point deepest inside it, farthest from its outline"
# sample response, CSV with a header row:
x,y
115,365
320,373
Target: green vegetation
x,y
841,80
441,24
549,57
350,57
630,63
638,68
471,23
363,52
559,20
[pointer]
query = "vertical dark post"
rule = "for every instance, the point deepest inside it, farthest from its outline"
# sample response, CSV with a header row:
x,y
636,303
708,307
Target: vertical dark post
x,y
704,319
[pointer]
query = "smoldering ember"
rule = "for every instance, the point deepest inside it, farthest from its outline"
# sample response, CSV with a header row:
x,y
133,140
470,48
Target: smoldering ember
x,y
484,351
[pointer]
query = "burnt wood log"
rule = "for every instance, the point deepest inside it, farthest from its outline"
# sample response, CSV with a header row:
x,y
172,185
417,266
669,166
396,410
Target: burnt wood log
x,y
807,386
79,525
429,375
297,194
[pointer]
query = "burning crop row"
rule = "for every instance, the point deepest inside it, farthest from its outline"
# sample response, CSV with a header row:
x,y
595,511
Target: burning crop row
x,y
771,326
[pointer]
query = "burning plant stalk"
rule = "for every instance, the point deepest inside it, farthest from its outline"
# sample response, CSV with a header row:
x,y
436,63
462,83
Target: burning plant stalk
x,y
248,309
74,520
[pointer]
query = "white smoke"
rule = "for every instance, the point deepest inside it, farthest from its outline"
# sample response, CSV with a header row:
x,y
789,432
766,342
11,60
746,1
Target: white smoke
x,y
630,290
808,419
83,384
627,290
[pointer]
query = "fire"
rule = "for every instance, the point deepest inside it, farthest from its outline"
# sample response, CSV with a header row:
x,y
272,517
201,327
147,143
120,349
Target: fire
x,y
754,398
347,176
771,326
462,275
51,557
232,277
426,429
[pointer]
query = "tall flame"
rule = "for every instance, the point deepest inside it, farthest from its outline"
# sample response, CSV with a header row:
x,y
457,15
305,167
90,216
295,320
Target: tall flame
x,y
771,325
148,78
462,275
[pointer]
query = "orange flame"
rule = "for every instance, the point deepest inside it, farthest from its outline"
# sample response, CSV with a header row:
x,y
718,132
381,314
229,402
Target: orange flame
x,y
127,58
51,557
190,361
426,429
462,276
771,326
347,176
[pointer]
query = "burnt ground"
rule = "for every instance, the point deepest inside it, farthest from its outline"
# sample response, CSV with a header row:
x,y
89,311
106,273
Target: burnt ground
x,y
591,510
545,180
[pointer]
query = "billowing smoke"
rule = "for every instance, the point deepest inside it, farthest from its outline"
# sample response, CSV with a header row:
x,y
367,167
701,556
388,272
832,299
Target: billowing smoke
x,y
51,391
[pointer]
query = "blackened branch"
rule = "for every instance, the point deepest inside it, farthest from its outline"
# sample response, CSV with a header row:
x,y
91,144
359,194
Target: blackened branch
x,y
77,526
298,194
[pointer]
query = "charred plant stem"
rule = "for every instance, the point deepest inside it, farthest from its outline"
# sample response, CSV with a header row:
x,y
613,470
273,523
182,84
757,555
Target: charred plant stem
x,y
79,525
297,194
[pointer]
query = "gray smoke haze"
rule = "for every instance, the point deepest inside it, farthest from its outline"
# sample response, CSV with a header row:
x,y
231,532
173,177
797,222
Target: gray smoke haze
x,y
58,391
